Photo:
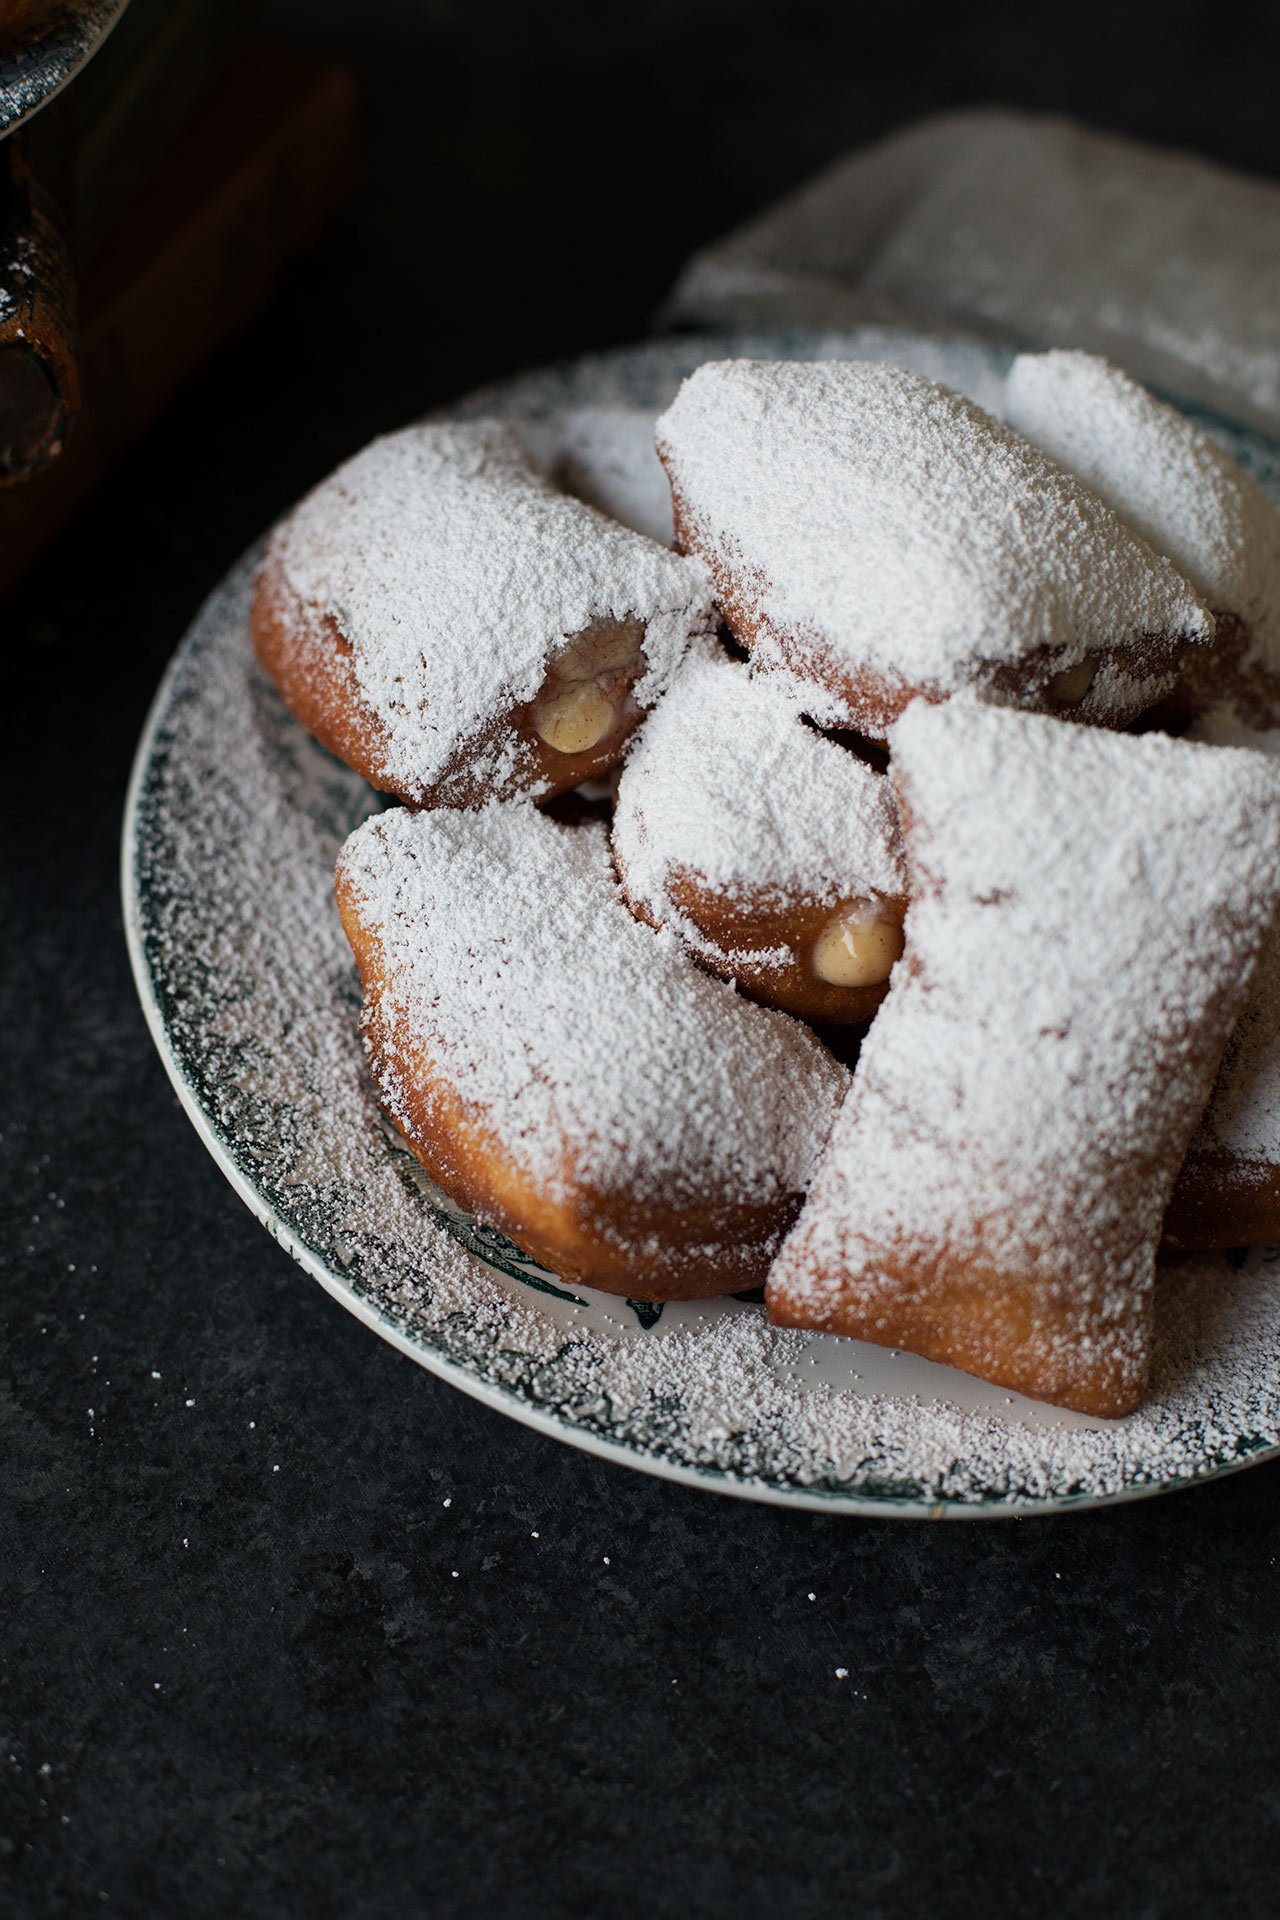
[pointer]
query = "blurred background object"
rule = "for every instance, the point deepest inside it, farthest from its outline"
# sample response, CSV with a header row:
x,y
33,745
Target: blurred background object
x,y
39,370
161,187
43,45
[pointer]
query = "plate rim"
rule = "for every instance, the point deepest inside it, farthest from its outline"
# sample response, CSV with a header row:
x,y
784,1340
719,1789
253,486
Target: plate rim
x,y
504,1399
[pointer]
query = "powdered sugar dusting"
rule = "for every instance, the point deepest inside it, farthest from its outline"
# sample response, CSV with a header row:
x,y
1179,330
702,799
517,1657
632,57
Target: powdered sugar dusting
x,y
1164,476
904,526
1243,1115
727,782
238,820
606,456
587,1036
455,571
1086,911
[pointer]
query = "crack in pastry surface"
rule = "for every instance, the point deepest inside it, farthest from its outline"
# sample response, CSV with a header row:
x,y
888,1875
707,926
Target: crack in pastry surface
x,y
414,609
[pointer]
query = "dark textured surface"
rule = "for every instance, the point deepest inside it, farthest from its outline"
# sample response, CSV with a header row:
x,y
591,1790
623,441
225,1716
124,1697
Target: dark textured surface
x,y
228,1689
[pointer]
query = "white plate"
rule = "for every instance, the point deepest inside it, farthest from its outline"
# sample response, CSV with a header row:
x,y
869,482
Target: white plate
x,y
233,823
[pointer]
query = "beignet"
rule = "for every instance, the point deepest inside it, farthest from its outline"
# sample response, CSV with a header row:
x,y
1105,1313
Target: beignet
x,y
1228,1192
567,1073
880,538
1183,492
1088,909
447,622
774,853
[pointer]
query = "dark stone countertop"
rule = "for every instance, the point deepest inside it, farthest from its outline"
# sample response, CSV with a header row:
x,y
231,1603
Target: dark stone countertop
x,y
290,1626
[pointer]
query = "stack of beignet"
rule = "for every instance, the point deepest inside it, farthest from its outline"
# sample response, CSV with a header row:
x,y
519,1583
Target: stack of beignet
x,y
863,805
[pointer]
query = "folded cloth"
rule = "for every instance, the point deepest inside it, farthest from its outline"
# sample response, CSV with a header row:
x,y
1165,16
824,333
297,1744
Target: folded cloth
x,y
1032,229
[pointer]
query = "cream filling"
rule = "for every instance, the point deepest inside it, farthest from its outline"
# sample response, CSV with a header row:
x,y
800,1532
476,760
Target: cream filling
x,y
575,718
581,701
1072,684
856,951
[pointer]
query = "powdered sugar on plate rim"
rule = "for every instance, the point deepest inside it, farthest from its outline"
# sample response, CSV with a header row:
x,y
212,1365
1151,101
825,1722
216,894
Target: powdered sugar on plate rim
x,y
709,1394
